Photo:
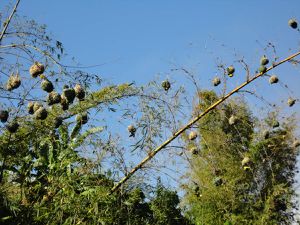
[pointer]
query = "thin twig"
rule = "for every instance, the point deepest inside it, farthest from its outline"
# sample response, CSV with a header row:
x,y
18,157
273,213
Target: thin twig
x,y
193,121
9,19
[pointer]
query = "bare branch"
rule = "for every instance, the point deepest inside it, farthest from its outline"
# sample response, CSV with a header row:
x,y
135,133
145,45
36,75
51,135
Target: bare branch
x,y
193,121
9,19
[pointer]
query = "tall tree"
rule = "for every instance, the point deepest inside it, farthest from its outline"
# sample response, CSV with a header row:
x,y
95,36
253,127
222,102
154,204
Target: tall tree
x,y
242,170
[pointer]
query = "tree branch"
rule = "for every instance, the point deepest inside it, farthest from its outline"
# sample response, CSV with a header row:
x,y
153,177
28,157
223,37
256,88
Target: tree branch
x,y
193,121
8,20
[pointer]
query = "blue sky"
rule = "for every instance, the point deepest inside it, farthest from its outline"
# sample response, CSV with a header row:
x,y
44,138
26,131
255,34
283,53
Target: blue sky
x,y
139,39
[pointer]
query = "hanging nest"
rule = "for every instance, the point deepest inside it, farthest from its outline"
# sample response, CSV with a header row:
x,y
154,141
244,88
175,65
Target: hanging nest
x,y
264,61
36,69
3,115
79,92
53,98
57,122
218,181
246,161
291,102
216,81
293,23
275,124
166,85
13,82
47,85
230,71
131,129
30,107
266,134
41,113
262,69
273,79
12,127
296,143
194,150
36,106
82,118
64,103
193,135
232,120
69,94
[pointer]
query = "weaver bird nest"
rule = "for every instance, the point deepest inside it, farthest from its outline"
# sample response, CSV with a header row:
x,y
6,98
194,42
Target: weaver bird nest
x,y
293,23
291,102
82,118
53,98
12,127
36,69
57,122
166,85
193,135
131,129
36,106
47,85
79,92
69,94
3,115
273,79
230,71
216,81
232,120
264,61
14,81
41,113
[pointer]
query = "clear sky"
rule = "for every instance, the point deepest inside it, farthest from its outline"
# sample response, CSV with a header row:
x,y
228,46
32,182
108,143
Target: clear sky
x,y
141,38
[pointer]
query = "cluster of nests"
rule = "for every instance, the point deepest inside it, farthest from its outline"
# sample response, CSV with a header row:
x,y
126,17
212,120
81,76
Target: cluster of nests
x,y
262,69
37,109
263,62
247,162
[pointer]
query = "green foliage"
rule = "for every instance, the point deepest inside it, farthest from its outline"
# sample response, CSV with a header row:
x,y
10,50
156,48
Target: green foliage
x,y
257,193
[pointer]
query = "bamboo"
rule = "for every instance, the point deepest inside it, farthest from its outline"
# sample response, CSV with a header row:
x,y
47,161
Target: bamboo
x,y
193,121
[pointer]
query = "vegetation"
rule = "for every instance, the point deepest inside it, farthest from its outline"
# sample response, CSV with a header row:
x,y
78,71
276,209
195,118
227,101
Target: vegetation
x,y
62,155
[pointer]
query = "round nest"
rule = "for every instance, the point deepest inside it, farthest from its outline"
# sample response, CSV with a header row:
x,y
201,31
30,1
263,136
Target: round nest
x,y
47,86
57,122
293,23
266,134
262,69
193,135
291,102
273,79
166,85
36,106
194,150
79,92
264,61
3,115
82,118
69,94
53,98
64,103
230,71
216,81
246,160
36,69
30,107
13,82
12,127
232,120
275,124
41,113
296,143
